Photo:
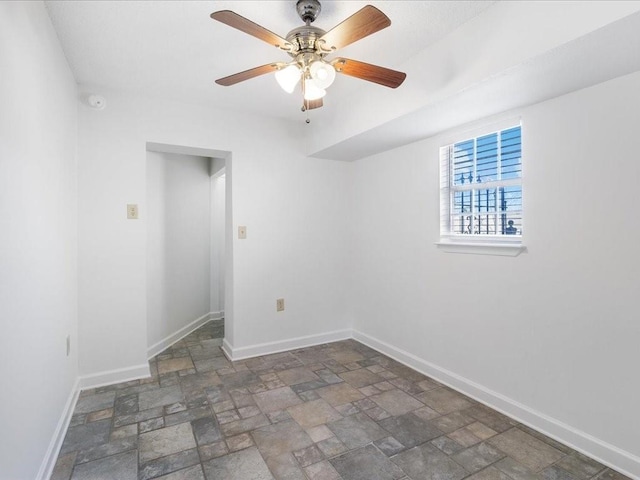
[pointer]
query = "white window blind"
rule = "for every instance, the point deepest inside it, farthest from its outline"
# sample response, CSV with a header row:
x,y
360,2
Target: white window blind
x,y
481,187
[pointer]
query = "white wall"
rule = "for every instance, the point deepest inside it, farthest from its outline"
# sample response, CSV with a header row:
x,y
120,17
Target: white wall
x,y
554,329
293,207
38,242
296,210
217,273
178,243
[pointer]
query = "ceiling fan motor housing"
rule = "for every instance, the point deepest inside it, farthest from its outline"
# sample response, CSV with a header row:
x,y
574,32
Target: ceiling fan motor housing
x,y
308,10
304,40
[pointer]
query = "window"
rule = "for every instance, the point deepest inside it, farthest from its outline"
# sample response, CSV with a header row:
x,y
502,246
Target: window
x,y
481,189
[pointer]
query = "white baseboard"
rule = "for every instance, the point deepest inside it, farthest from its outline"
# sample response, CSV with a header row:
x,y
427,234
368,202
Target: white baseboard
x,y
227,349
165,343
240,353
607,454
110,377
49,461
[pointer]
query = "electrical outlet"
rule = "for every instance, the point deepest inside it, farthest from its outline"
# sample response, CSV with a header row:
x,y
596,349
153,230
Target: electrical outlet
x,y
280,305
68,345
132,211
242,232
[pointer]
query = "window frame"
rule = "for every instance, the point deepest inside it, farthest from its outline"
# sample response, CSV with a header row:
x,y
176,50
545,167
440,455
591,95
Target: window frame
x,y
451,242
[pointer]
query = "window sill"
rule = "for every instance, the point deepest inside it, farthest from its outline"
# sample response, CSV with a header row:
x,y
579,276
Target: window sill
x,y
477,248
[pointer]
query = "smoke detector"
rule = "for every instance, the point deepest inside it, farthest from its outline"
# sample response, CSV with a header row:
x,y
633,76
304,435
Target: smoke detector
x,y
97,102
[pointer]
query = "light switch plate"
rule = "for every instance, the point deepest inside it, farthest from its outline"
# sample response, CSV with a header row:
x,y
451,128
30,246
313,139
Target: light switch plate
x,y
242,232
132,211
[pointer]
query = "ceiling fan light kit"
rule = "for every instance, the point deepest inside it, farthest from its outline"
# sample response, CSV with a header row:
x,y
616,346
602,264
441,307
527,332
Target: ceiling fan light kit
x,y
308,46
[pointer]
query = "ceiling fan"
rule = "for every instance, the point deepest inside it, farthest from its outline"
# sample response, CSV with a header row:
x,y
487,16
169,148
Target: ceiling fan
x,y
308,46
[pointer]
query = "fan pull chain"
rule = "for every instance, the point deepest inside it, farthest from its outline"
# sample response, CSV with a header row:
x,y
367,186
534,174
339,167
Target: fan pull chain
x,y
305,103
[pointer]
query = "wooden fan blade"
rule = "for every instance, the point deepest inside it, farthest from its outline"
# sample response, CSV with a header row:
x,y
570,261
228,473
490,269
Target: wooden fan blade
x,y
247,26
247,74
311,104
371,73
361,24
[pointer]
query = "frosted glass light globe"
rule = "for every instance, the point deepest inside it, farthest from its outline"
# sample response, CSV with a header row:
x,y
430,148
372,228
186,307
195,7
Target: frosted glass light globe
x,y
288,78
311,90
322,73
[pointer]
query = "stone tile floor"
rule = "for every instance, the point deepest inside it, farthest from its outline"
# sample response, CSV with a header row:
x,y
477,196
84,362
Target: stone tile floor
x,y
329,412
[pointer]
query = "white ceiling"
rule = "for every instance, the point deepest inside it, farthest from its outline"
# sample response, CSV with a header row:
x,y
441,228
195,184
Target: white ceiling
x,y
476,58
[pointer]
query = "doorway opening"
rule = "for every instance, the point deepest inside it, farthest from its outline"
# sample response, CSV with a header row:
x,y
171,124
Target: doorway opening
x,y
186,218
